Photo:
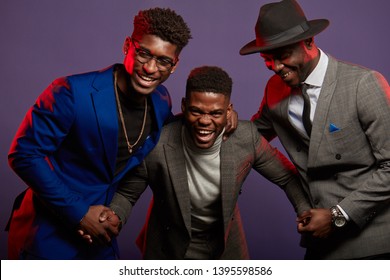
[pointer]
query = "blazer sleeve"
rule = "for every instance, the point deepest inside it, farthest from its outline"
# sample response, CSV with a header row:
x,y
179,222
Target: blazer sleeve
x,y
276,92
263,120
275,167
129,191
42,131
373,110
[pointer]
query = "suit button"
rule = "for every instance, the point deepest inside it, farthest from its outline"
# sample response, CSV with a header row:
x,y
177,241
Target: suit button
x,y
338,156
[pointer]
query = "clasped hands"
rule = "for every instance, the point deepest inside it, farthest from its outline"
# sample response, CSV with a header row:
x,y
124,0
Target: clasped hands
x,y
317,222
99,224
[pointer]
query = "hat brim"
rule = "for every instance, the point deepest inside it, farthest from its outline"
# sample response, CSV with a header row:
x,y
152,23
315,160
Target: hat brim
x,y
315,26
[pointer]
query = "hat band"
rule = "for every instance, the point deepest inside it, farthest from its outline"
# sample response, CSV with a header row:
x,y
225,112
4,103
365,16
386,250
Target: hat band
x,y
283,36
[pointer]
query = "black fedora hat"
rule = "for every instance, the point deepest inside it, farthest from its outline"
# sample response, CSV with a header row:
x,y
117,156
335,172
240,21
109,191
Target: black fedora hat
x,y
280,24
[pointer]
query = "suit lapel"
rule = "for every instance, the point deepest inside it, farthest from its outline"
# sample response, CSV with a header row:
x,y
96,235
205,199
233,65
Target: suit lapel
x,y
322,109
103,98
177,169
282,112
228,186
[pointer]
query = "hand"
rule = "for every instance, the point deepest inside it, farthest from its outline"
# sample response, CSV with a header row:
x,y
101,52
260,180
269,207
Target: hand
x,y
304,218
231,125
91,228
109,215
318,222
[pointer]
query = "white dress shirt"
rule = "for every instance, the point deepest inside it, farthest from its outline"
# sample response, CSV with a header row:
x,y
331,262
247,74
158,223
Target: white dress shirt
x,y
314,83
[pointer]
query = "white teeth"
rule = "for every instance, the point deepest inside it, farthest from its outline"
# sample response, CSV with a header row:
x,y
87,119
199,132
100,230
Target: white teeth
x,y
204,132
286,74
145,78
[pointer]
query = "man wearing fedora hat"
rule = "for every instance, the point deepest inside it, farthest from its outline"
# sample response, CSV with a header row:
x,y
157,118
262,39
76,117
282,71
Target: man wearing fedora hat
x,y
333,119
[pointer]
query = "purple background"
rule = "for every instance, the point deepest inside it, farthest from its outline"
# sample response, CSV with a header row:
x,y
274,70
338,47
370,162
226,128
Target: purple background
x,y
46,39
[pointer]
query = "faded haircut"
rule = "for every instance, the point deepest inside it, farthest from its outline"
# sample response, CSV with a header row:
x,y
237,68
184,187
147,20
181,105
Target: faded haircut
x,y
209,79
163,23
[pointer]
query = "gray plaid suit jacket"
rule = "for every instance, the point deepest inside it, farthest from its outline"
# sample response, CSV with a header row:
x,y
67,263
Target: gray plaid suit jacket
x,y
347,160
167,231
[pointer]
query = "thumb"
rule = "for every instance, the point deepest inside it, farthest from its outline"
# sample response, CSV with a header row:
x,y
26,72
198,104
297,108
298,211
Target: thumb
x,y
103,216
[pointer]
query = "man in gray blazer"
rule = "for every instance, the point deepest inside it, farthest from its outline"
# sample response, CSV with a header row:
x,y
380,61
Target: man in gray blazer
x,y
337,137
196,177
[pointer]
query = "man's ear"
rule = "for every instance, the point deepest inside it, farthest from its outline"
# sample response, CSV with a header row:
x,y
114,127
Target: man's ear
x,y
174,67
126,45
309,43
183,105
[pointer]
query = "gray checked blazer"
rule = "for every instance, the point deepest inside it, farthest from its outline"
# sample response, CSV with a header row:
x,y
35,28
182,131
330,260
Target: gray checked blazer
x,y
167,231
347,160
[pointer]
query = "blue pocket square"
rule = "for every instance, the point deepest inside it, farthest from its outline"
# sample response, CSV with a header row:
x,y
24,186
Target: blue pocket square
x,y
333,128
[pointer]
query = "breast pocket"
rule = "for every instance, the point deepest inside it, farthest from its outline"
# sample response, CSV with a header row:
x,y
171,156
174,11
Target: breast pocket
x,y
348,143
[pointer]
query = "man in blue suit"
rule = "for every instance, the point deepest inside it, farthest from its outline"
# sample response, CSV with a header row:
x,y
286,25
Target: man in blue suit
x,y
83,134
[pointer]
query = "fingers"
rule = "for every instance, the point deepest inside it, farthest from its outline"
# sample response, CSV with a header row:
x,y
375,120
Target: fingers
x,y
104,237
112,230
303,220
317,222
85,236
303,227
106,215
88,238
91,228
231,125
227,132
234,119
304,215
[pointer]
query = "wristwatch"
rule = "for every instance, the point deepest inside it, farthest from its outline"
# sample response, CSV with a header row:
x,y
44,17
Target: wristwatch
x,y
338,219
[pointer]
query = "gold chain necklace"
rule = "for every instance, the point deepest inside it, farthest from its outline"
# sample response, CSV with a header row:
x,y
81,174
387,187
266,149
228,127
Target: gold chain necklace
x,y
129,146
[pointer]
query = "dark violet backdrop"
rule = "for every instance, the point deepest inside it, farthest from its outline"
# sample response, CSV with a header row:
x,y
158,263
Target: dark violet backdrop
x,y
45,39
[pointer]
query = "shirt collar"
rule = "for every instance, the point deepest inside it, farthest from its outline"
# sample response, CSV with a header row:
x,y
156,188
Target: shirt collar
x,y
316,77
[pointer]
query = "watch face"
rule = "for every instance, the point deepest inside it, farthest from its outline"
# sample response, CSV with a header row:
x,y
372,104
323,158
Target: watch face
x,y
339,221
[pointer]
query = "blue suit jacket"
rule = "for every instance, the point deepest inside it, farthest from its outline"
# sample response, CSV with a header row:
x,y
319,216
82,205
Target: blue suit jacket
x,y
65,151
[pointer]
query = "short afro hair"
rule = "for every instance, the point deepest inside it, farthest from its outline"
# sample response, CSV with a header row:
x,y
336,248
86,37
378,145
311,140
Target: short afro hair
x,y
209,79
163,23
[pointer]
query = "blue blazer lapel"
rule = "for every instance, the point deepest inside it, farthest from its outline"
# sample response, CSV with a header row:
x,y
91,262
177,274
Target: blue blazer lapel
x,y
159,98
103,98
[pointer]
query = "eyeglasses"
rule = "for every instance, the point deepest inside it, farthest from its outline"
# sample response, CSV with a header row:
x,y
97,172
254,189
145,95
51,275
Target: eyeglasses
x,y
144,56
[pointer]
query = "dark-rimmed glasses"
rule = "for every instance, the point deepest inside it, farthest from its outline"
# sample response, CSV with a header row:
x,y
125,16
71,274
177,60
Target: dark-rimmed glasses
x,y
163,63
